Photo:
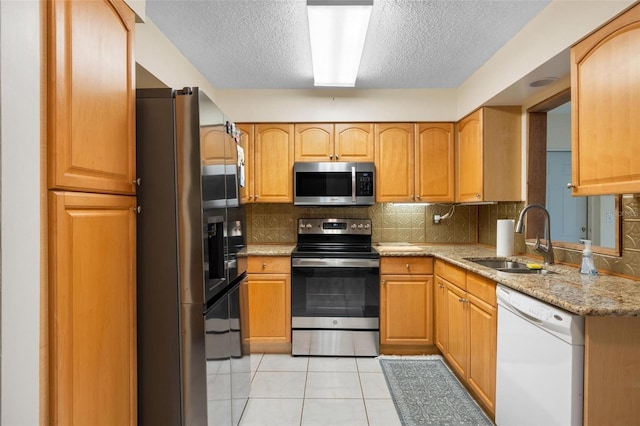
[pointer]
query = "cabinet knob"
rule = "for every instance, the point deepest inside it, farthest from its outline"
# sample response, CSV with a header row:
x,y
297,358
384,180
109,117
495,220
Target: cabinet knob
x,y
137,209
264,266
337,157
137,181
407,266
478,195
440,285
384,282
331,157
411,196
570,185
256,197
251,197
418,197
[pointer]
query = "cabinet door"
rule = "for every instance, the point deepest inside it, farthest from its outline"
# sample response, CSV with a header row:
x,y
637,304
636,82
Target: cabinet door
x,y
481,375
457,330
469,151
91,97
406,309
216,148
605,88
314,142
92,317
273,163
434,162
354,142
270,308
246,142
440,302
395,171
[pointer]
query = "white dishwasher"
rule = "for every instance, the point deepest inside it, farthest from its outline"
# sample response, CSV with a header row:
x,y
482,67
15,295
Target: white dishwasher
x,y
540,362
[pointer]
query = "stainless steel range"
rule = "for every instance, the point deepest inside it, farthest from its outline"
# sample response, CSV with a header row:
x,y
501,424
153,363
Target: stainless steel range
x,y
335,289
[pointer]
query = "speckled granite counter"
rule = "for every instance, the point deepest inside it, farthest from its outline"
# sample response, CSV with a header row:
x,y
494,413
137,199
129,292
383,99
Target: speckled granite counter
x,y
270,249
603,295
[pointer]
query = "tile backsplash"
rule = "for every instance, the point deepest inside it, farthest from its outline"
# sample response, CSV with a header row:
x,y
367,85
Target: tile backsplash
x,y
276,224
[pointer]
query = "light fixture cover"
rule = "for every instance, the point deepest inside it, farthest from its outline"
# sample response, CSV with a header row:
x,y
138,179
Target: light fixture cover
x,y
337,30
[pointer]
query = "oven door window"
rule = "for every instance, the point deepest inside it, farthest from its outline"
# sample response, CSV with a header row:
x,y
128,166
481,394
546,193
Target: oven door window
x,y
335,292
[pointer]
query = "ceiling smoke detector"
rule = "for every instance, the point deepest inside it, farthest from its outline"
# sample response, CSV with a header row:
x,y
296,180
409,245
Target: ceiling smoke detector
x,y
543,82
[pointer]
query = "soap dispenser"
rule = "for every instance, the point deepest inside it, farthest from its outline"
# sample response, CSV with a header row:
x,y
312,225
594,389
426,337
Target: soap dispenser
x,y
588,267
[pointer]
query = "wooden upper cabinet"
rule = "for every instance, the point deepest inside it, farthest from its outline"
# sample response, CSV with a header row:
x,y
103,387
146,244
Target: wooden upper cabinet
x,y
92,309
489,154
246,143
334,142
354,142
314,142
434,154
216,148
605,88
273,163
394,153
91,96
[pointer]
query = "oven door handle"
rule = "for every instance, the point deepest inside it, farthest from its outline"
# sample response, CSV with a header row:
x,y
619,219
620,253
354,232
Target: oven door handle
x,y
312,262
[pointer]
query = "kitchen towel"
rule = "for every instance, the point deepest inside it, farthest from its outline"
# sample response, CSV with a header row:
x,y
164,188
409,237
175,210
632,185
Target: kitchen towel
x,y
504,238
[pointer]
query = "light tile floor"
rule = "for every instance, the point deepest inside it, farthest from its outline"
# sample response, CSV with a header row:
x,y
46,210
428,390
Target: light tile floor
x,y
306,391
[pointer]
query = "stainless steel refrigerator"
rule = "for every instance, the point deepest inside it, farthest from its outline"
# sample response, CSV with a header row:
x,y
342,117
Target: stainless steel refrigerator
x,y
192,366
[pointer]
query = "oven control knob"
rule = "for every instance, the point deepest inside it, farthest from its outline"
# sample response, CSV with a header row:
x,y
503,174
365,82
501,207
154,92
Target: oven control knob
x,y
367,226
301,225
360,226
309,226
353,226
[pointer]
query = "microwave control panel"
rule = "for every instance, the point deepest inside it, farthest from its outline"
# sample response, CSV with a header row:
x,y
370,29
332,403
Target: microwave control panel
x,y
364,184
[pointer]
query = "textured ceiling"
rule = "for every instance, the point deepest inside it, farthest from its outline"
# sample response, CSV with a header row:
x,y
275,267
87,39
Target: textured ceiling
x,y
264,44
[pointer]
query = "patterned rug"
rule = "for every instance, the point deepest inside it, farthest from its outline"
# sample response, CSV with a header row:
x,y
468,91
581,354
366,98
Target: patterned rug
x,y
426,392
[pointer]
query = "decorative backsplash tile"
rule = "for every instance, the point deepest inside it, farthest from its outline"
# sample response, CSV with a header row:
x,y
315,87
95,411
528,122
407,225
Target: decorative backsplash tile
x,y
276,224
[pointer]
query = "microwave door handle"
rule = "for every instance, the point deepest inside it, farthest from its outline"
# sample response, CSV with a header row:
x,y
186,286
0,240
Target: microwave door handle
x,y
353,184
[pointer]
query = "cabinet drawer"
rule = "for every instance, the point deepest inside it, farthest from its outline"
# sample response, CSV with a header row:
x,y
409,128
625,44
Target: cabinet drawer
x,y
269,265
406,265
482,288
453,274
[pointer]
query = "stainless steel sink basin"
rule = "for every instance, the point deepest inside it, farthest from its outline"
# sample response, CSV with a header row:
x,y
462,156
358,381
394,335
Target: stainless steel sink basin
x,y
504,265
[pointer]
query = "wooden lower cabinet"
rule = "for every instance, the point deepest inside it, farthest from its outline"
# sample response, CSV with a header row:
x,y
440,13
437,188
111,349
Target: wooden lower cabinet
x,y
92,309
406,305
269,301
611,371
466,331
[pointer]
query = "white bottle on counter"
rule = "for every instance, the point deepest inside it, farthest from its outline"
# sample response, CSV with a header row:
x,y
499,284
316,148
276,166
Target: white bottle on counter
x,y
587,267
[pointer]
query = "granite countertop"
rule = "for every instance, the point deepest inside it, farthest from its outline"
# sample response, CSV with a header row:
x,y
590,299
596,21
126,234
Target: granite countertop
x,y
270,249
602,295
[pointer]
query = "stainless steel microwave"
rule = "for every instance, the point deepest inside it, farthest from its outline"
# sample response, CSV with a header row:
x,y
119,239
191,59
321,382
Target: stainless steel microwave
x,y
333,184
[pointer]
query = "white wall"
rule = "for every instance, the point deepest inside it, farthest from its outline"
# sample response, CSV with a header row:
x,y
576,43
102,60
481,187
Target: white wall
x,y
20,210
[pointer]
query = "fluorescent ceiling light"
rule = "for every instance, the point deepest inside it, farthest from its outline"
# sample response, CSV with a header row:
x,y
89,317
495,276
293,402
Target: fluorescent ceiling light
x,y
337,29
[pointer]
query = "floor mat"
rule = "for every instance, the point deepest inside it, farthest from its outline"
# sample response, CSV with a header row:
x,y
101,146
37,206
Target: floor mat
x,y
426,392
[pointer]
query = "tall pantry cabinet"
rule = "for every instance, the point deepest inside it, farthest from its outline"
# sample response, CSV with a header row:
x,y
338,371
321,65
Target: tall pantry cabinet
x,y
90,146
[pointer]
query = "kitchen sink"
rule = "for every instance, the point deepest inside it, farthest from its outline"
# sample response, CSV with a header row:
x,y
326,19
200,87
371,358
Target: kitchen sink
x,y
505,265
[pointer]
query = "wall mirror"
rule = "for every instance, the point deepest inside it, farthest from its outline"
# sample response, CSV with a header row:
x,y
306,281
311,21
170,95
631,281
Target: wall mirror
x,y
596,218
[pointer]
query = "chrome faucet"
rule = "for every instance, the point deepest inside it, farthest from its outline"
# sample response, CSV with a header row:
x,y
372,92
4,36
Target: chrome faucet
x,y
546,250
